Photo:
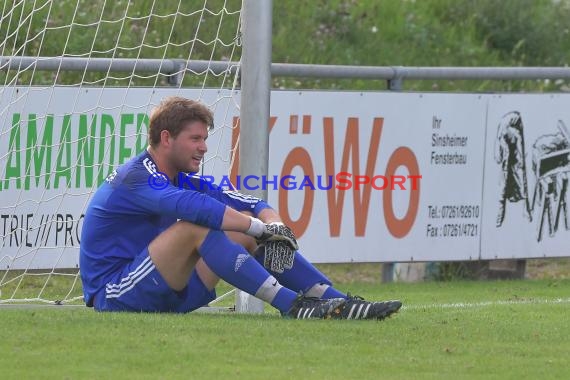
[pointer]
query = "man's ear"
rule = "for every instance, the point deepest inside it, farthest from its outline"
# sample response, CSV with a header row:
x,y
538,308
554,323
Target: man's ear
x,y
165,137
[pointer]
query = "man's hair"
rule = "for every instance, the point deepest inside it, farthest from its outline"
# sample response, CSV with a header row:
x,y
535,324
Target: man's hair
x,y
171,115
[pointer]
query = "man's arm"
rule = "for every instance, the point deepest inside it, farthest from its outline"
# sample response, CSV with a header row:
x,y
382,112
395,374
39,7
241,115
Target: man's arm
x,y
267,227
234,199
235,221
199,208
269,215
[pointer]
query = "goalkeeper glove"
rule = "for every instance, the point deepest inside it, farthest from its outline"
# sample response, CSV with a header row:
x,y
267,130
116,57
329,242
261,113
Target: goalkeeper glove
x,y
278,256
265,232
279,241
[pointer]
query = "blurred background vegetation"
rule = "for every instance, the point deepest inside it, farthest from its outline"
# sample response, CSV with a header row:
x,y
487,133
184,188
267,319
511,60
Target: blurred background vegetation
x,y
340,32
425,33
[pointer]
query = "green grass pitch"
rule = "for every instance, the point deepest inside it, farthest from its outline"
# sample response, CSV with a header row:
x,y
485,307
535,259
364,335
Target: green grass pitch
x,y
452,330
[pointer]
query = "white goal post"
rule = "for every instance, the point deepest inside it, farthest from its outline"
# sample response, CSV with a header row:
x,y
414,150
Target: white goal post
x,y
77,82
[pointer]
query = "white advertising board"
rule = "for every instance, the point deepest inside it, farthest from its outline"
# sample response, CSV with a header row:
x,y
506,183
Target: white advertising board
x,y
435,136
526,177
57,145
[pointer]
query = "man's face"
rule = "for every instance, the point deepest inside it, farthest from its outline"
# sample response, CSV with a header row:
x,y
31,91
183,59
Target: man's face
x,y
189,147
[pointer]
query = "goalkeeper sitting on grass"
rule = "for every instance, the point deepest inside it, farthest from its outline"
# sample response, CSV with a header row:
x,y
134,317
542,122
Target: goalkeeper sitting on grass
x,y
151,249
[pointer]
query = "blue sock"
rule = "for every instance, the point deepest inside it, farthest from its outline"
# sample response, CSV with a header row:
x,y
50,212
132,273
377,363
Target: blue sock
x,y
333,293
283,299
232,263
302,277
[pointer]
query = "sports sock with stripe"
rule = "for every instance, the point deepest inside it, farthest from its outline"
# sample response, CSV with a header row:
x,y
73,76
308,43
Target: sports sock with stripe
x,y
324,291
232,263
303,277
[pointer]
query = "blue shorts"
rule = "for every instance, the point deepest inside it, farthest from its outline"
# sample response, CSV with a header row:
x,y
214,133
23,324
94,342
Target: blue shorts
x,y
139,287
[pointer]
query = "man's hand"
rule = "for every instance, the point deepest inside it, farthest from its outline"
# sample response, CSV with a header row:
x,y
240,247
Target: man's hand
x,y
279,232
279,241
265,232
278,256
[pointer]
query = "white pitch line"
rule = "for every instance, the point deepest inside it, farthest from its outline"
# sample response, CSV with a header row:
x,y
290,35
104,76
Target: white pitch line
x,y
464,305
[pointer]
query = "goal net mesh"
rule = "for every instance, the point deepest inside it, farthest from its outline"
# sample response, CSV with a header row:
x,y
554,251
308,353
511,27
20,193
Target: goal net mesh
x,y
77,82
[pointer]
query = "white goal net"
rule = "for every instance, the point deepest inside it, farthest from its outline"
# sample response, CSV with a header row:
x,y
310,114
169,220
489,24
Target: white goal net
x,y
77,81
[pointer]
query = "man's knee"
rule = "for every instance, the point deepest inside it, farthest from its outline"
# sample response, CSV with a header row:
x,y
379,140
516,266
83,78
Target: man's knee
x,y
182,235
242,239
175,252
190,231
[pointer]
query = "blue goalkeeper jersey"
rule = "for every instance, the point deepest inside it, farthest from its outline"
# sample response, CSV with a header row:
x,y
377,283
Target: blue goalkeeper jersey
x,y
129,210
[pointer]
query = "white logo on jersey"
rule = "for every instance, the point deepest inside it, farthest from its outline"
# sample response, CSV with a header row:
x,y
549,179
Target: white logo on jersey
x,y
240,260
111,176
150,166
